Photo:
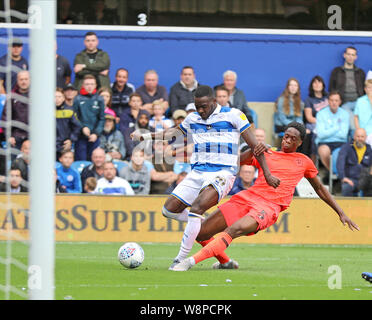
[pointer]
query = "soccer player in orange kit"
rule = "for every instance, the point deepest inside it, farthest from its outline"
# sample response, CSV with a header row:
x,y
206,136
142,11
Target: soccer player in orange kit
x,y
258,207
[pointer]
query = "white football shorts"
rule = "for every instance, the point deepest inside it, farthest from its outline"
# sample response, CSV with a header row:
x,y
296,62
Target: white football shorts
x,y
195,181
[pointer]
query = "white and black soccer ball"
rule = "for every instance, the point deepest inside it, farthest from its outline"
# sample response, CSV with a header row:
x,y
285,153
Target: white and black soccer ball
x,y
131,255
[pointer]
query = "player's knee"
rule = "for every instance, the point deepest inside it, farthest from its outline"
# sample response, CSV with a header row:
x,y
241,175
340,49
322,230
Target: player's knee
x,y
234,231
168,214
198,209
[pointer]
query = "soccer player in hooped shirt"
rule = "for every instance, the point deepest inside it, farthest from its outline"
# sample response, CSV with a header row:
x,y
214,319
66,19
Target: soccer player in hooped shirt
x,y
258,207
215,132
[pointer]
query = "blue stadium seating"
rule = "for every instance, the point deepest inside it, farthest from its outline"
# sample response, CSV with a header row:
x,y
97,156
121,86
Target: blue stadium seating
x,y
80,165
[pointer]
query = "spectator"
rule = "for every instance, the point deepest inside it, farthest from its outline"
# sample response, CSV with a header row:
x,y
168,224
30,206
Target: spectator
x,y
182,92
67,125
90,185
260,135
159,121
100,15
365,182
65,14
289,106
363,109
90,110
179,116
129,120
190,108
19,63
63,72
245,180
316,101
93,61
222,96
352,158
22,161
143,125
236,96
173,186
137,173
16,181
332,127
70,93
112,141
59,188
151,91
162,165
95,169
19,110
69,178
111,184
121,91
349,81
106,94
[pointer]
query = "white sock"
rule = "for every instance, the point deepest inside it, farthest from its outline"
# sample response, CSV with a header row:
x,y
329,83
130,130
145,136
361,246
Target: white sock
x,y
189,235
183,216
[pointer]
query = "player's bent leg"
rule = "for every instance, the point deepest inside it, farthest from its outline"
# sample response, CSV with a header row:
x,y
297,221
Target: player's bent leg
x,y
175,209
212,225
243,226
205,200
215,247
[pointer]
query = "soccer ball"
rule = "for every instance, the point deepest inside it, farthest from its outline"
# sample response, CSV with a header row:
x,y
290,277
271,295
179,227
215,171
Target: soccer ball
x,y
131,255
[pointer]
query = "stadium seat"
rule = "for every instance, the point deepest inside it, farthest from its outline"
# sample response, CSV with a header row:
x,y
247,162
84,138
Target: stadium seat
x,y
80,165
57,164
119,164
333,175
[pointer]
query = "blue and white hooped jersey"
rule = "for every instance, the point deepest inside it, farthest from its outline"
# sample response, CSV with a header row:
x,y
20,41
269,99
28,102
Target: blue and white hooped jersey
x,y
216,140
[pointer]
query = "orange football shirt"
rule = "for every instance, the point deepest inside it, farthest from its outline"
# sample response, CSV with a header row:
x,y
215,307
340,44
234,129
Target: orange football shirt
x,y
290,168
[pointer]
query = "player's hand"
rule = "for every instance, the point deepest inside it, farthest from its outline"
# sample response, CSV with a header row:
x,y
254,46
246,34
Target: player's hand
x,y
346,220
260,148
272,181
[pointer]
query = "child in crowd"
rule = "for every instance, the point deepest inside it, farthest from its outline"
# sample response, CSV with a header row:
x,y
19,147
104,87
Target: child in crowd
x,y
90,185
106,94
159,121
68,177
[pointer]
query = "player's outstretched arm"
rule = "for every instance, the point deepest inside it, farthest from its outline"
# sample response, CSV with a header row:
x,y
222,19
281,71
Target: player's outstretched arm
x,y
167,134
324,194
250,139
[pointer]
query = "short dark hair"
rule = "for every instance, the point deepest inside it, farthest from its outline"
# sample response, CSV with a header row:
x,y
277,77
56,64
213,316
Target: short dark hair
x,y
187,67
298,126
90,33
221,88
335,92
121,69
203,91
350,47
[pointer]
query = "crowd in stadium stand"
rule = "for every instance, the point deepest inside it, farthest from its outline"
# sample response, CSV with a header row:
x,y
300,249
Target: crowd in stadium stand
x,y
95,119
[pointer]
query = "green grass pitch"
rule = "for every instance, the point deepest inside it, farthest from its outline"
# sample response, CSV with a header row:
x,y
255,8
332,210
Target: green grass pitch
x,y
91,271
